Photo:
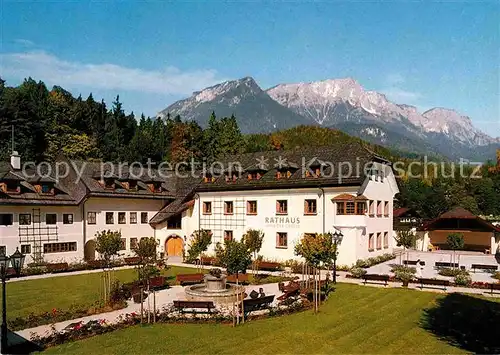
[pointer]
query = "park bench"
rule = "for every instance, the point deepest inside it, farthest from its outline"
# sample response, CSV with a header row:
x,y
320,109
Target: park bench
x,y
157,283
413,262
484,267
374,278
242,278
57,267
430,283
189,279
494,287
133,260
290,290
269,266
251,305
192,306
439,264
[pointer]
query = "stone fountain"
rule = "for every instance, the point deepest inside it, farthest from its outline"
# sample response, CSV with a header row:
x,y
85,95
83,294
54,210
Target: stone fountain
x,y
214,288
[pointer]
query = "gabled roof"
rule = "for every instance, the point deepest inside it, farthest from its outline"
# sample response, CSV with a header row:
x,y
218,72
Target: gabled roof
x,y
459,214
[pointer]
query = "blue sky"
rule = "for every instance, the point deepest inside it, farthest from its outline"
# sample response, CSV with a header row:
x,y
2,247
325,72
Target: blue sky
x,y
152,53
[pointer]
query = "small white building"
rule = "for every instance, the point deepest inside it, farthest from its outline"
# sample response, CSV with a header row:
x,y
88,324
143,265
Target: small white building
x,y
283,193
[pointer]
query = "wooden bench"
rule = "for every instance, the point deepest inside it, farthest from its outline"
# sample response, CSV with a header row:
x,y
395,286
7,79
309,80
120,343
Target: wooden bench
x,y
242,278
494,287
375,278
134,260
251,305
290,290
434,282
157,283
57,267
189,279
439,264
413,262
193,305
268,266
484,267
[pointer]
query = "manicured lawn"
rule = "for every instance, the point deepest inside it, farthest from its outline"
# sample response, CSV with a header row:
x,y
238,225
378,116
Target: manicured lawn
x,y
41,295
355,319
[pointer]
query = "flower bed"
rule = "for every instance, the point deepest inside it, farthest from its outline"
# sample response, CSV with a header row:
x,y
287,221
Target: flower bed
x,y
81,330
60,315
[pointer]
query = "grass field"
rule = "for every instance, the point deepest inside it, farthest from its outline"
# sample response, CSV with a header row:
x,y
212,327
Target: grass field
x,y
41,295
355,319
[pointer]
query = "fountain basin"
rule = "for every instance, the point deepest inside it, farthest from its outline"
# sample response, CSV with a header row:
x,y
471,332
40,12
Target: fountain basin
x,y
214,289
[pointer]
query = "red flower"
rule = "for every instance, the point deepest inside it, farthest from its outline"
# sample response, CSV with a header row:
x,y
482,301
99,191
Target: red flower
x,y
78,326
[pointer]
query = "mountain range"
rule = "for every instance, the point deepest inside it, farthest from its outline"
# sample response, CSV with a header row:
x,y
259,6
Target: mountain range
x,y
341,104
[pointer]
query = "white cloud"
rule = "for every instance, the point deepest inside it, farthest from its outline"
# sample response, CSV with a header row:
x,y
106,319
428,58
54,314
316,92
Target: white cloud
x,y
394,79
402,96
47,67
24,42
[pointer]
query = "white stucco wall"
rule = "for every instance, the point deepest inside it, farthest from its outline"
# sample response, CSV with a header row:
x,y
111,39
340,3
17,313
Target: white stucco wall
x,y
101,205
9,235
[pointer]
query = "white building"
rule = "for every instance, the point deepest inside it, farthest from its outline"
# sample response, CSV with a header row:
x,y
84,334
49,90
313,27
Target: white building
x,y
283,193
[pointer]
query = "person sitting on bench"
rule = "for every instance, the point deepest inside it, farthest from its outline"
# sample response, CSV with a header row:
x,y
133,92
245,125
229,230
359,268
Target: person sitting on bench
x,y
261,292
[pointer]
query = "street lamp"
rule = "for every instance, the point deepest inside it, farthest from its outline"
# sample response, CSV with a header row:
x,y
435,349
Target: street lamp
x,y
17,260
337,237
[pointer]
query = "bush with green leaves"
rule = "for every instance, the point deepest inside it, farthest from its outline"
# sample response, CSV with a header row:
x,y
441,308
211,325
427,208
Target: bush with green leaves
x,y
366,263
358,272
496,275
463,279
146,251
403,268
405,274
446,271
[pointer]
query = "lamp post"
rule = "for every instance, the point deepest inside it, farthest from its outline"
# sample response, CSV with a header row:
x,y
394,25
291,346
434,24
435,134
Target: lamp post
x,y
17,261
337,240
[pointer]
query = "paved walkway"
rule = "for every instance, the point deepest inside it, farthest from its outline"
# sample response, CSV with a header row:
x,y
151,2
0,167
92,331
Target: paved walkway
x,y
166,297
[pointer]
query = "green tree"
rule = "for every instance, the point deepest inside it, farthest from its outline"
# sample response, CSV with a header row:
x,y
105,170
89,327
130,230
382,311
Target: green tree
x,y
108,244
405,238
200,241
253,240
455,242
317,250
234,256
145,250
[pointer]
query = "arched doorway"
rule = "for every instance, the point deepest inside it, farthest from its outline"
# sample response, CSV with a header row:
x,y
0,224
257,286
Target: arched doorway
x,y
89,250
173,246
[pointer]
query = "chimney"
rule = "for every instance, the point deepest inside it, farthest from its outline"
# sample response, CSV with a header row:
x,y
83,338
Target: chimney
x,y
15,161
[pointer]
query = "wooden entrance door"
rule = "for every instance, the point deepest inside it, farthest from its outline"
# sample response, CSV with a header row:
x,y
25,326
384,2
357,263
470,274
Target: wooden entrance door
x,y
89,251
174,246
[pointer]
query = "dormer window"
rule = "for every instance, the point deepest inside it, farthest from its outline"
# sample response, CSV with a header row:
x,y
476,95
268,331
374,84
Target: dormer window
x,y
208,178
231,177
12,187
109,183
313,172
47,188
132,185
283,174
155,186
254,175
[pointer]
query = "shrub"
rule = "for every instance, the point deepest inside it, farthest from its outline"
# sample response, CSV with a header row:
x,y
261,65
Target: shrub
x,y
295,265
366,263
405,275
446,271
357,272
496,275
403,268
463,279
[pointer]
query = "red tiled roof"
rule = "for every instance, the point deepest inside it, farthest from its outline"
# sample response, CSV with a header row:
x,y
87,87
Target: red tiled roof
x,y
400,211
458,212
